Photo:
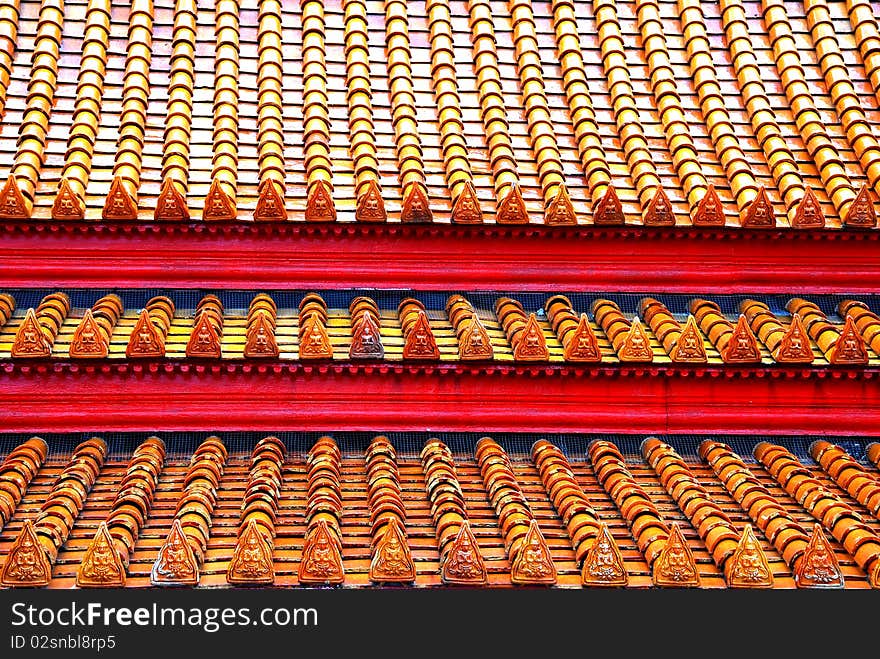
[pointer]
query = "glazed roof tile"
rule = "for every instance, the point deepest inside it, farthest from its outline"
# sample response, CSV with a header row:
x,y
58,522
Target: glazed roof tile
x,y
714,497
744,96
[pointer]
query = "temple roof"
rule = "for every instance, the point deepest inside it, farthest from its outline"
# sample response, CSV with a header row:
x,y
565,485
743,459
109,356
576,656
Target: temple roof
x,y
706,113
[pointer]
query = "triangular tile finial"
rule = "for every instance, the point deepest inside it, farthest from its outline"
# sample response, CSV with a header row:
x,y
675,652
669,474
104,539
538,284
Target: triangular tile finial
x,y
392,561
176,563
659,212
252,561
260,340
171,204
675,565
710,212
463,563
794,347
12,202
560,211
366,340
609,210
512,209
321,558
26,563
818,566
416,207
743,345
531,346
748,567
861,213
603,564
466,209
420,342
119,205
203,340
67,205
474,342
636,345
218,206
314,341
850,346
319,205
809,214
88,340
689,348
30,341
145,339
101,567
582,344
270,204
370,205
759,214
533,564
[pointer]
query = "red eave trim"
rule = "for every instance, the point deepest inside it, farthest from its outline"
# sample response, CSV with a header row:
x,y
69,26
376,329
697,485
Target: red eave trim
x,y
166,396
437,257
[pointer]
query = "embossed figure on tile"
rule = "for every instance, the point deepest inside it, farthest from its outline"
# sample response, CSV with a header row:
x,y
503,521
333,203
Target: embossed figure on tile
x,y
391,560
749,567
321,562
818,567
101,566
533,563
760,212
512,209
26,563
794,346
861,212
175,563
370,206
463,562
252,560
603,564
30,341
675,566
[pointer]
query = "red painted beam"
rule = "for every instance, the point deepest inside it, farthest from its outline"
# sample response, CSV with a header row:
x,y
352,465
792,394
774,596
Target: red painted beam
x,y
278,397
438,257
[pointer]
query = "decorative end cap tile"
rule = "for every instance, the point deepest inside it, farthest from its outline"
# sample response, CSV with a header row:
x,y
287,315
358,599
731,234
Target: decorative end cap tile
x,y
252,559
30,341
794,347
420,343
102,566
603,564
533,563
322,559
319,206
218,206
392,562
314,341
466,209
850,346
675,565
203,341
176,563
659,211
270,205
371,206
636,346
748,566
532,346
12,203
808,214
560,211
474,342
171,204
582,346
760,212
818,566
26,563
119,205
366,341
260,341
709,213
743,345
464,564
609,210
67,205
512,209
689,348
145,340
861,213
88,341
415,204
